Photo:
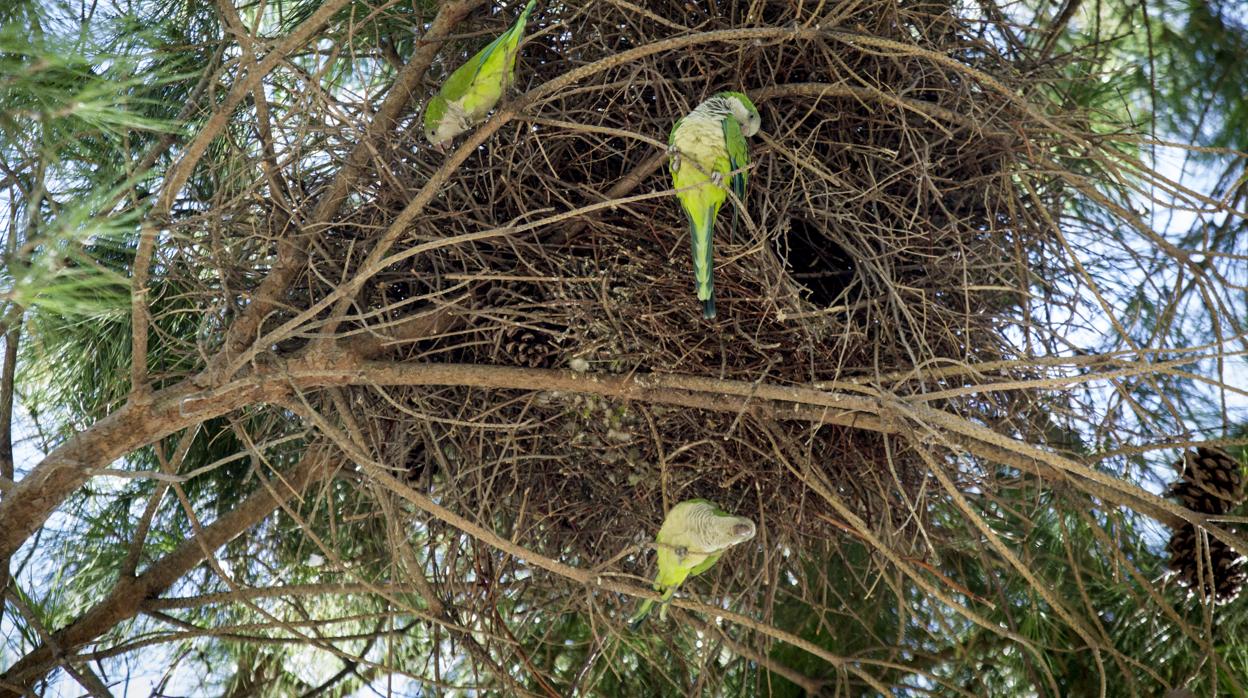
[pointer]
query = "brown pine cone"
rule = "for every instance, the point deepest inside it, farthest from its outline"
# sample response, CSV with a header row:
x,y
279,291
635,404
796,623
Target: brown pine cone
x,y
1196,498
1213,470
532,348
1182,543
1223,571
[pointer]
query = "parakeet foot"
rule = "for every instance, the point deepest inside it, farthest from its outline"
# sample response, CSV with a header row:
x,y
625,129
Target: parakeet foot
x,y
674,156
717,178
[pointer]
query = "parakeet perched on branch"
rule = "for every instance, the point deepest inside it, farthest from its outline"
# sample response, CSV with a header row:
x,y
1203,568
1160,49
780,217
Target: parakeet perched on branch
x,y
707,145
693,536
475,87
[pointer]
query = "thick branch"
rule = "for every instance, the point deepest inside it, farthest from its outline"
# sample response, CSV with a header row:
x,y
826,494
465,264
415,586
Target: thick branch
x,y
7,371
30,502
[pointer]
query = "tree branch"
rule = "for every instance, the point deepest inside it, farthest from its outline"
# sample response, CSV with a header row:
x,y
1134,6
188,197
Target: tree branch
x,y
7,371
32,500
292,254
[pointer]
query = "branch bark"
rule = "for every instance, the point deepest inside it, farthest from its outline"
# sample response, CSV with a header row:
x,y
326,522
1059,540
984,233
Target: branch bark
x,y
7,371
31,501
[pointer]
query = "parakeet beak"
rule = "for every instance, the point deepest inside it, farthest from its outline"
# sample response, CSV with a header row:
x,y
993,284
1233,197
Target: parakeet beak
x,y
745,530
440,147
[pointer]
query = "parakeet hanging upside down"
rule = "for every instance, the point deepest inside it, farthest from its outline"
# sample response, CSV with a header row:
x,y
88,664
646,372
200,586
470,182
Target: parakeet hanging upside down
x,y
693,536
475,87
712,137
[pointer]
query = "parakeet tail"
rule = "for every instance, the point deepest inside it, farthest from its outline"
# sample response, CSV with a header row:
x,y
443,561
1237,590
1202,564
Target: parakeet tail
x,y
635,622
704,260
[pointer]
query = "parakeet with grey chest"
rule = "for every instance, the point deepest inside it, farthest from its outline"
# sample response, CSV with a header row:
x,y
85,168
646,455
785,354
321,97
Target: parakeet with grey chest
x,y
475,87
710,153
693,536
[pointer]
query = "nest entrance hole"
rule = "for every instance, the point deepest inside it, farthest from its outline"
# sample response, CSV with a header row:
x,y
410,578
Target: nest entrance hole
x,y
819,265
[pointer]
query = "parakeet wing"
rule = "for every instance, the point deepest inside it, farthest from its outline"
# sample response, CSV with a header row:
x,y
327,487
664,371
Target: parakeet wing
x,y
461,80
671,135
481,67
738,155
705,564
671,572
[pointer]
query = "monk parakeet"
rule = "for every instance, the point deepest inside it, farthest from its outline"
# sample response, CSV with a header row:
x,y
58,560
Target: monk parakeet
x,y
693,536
712,137
476,86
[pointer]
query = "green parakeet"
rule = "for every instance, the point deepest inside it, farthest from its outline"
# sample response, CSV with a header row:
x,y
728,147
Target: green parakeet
x,y
693,536
707,145
475,87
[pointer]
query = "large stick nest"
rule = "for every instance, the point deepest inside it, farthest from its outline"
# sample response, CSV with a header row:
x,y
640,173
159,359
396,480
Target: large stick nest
x,y
895,223
880,238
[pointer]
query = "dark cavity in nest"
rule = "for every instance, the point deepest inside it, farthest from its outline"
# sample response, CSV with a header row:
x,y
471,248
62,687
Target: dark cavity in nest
x,y
816,263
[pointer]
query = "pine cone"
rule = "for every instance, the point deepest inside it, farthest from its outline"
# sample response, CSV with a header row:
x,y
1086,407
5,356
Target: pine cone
x,y
1210,481
1182,545
1197,499
1231,585
532,348
1223,572
1213,470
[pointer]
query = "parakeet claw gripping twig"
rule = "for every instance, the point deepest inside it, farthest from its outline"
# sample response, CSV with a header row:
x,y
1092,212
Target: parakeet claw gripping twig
x,y
673,156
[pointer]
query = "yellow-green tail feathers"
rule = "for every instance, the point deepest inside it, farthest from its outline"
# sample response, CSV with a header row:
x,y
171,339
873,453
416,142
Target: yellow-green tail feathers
x,y
638,618
643,611
701,236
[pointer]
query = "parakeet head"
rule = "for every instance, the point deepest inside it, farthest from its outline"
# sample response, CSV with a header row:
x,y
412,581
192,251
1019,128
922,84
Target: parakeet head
x,y
713,528
739,530
744,111
434,111
443,121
